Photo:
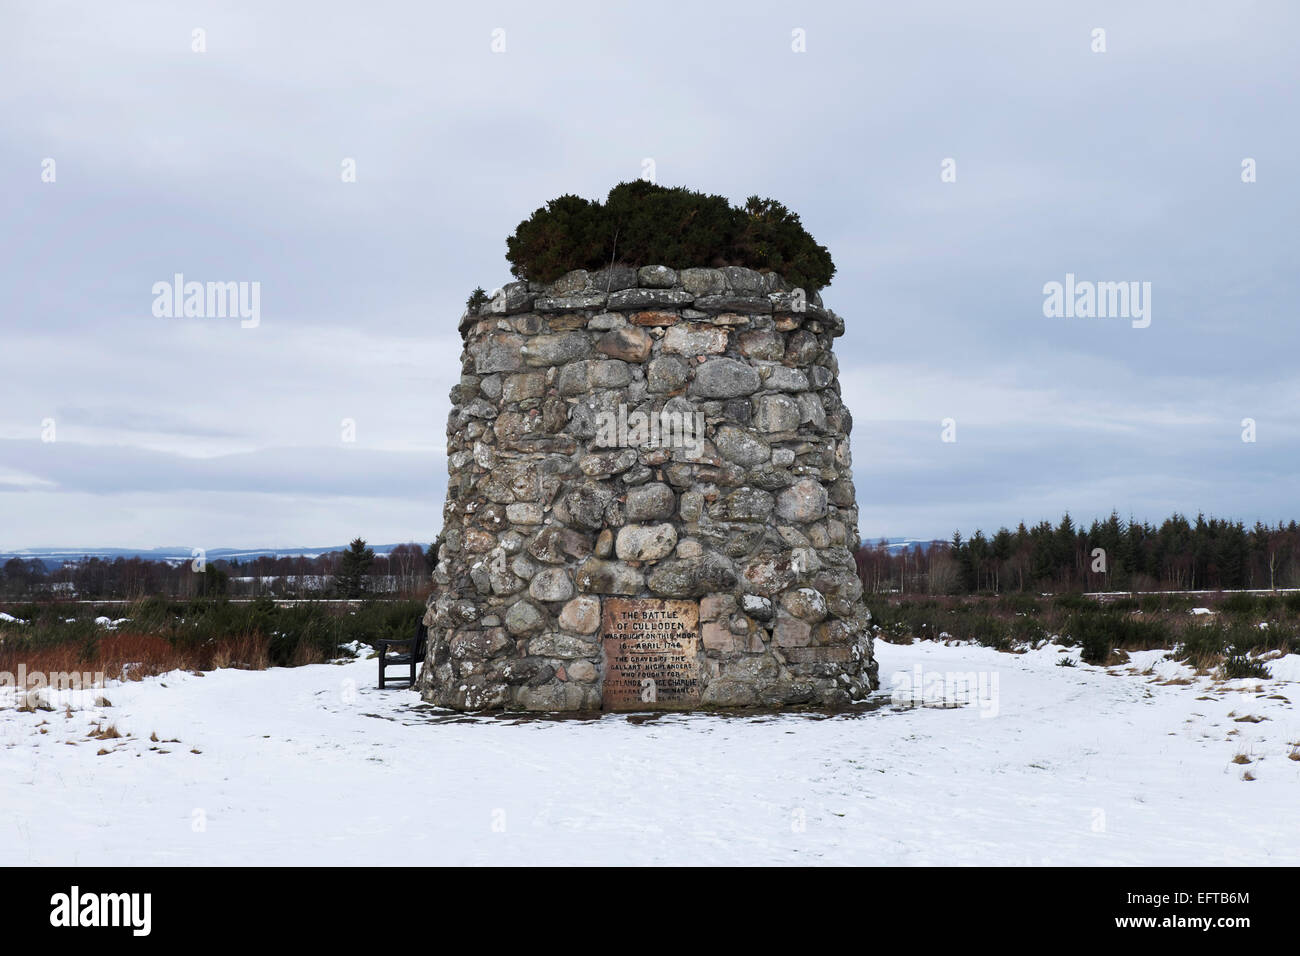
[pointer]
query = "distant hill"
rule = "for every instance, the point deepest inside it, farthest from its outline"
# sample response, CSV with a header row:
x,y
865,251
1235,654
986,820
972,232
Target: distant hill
x,y
896,545
54,558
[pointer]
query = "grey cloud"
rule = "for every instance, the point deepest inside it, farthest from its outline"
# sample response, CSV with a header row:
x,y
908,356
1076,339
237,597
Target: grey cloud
x,y
225,165
308,471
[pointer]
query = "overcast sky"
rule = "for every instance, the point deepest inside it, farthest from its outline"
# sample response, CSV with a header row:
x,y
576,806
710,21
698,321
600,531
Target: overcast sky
x,y
226,165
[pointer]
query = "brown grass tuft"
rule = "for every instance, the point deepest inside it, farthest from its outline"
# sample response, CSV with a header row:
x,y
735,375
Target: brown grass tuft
x,y
105,733
125,655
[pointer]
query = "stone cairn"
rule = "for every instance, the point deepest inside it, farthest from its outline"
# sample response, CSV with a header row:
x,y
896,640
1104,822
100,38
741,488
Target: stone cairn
x,y
654,434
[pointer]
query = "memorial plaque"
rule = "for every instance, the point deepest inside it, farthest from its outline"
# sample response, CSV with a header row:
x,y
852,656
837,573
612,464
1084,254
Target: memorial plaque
x,y
651,654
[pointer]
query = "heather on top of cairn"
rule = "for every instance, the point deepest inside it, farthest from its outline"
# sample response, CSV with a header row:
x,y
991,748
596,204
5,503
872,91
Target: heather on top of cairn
x,y
640,222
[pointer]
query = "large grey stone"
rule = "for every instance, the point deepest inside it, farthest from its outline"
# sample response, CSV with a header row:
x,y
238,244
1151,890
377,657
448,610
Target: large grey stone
x,y
776,413
702,281
724,378
748,504
608,577
667,373
650,502
756,305
578,378
586,505
695,340
524,618
762,344
636,542
551,584
807,604
805,500
657,277
570,282
740,446
581,615
556,349
790,631
812,412
614,278
525,385
608,463
555,545
648,298
479,644
562,646
630,344
692,577
744,281
578,302
782,379
499,352
801,348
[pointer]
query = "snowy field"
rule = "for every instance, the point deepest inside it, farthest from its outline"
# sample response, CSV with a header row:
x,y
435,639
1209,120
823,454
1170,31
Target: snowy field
x,y
1041,765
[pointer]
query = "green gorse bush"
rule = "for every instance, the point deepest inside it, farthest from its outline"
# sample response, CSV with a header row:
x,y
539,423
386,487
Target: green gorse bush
x,y
641,223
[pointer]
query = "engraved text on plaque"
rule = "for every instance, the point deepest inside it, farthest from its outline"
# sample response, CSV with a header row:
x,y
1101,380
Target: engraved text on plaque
x,y
651,654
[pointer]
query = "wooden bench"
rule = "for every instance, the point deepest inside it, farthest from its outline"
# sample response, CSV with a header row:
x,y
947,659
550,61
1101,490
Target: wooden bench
x,y
410,657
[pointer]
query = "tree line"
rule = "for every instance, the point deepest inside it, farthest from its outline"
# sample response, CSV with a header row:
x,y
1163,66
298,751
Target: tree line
x,y
355,572
1109,555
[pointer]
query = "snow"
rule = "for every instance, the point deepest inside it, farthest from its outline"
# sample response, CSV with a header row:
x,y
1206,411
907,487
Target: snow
x,y
969,756
1201,611
10,619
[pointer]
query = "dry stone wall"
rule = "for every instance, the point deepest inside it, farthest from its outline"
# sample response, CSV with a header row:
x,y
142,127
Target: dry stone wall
x,y
670,436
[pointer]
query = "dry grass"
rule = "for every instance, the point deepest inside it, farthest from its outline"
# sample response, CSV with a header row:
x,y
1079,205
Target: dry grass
x,y
307,654
105,733
130,656
33,701
1205,664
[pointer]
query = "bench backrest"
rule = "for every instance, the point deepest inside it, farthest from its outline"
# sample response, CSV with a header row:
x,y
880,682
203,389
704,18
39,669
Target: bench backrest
x,y
421,638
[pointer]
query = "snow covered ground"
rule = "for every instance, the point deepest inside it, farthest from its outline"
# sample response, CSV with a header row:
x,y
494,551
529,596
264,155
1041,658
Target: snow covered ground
x,y
1042,765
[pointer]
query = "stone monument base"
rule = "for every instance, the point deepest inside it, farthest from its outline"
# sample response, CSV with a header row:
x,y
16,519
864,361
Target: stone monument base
x,y
649,502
